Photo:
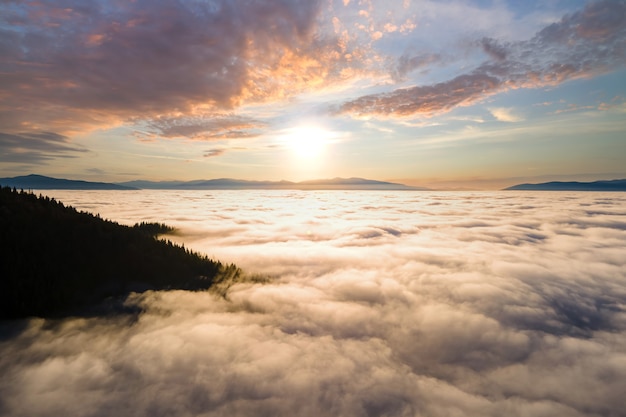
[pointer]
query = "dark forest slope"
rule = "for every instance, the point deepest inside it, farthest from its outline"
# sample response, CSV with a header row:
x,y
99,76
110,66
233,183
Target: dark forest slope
x,y
55,260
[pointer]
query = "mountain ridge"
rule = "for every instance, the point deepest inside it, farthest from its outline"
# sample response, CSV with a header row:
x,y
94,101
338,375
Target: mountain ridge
x,y
603,185
41,182
34,181
337,183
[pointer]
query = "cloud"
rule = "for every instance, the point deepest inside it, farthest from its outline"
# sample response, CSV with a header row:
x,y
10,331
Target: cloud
x,y
147,58
585,43
202,126
407,64
494,49
505,115
213,152
379,304
36,147
72,67
438,98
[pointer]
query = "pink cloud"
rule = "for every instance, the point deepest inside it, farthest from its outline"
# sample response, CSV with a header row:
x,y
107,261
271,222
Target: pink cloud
x,y
142,58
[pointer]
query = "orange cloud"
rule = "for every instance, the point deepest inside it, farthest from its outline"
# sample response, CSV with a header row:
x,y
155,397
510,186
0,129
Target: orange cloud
x,y
139,59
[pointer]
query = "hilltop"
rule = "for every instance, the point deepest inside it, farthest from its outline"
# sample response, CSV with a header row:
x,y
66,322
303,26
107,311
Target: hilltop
x,y
40,182
610,185
58,261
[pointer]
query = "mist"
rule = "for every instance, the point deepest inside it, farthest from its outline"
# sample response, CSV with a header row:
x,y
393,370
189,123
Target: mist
x,y
377,303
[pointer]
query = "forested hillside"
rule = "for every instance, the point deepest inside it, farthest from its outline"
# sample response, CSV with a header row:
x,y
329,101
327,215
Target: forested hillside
x,y
57,261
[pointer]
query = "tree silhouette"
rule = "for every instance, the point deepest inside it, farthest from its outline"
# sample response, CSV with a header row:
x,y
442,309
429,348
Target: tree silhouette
x,y
56,260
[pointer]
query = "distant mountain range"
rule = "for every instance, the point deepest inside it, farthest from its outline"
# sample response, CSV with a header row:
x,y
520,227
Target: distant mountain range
x,y
39,182
610,185
234,184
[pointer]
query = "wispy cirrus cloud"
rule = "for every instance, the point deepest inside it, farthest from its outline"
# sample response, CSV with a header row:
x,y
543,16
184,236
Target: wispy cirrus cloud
x,y
36,147
589,42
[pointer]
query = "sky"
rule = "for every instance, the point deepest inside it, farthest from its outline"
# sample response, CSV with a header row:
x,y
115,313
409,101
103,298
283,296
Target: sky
x,y
446,94
439,304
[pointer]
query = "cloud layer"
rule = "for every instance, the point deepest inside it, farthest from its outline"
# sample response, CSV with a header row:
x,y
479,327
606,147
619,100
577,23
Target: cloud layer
x,y
68,65
145,58
589,42
395,304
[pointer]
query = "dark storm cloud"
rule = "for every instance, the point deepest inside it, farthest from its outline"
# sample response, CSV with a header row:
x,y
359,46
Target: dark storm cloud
x,y
430,304
585,43
35,147
144,57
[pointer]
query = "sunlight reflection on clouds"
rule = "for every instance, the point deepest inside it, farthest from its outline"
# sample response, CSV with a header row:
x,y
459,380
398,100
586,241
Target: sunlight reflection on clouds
x,y
380,303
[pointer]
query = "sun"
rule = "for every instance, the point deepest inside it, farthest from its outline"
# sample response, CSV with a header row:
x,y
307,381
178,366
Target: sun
x,y
307,142
306,146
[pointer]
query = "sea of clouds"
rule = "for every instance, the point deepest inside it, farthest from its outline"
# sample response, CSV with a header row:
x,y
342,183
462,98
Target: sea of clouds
x,y
378,304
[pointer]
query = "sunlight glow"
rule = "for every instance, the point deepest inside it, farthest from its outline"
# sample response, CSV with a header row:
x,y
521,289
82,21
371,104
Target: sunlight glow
x,y
307,148
307,142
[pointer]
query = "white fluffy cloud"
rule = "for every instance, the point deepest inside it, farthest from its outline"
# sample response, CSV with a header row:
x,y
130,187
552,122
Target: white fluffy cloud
x,y
395,304
505,114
